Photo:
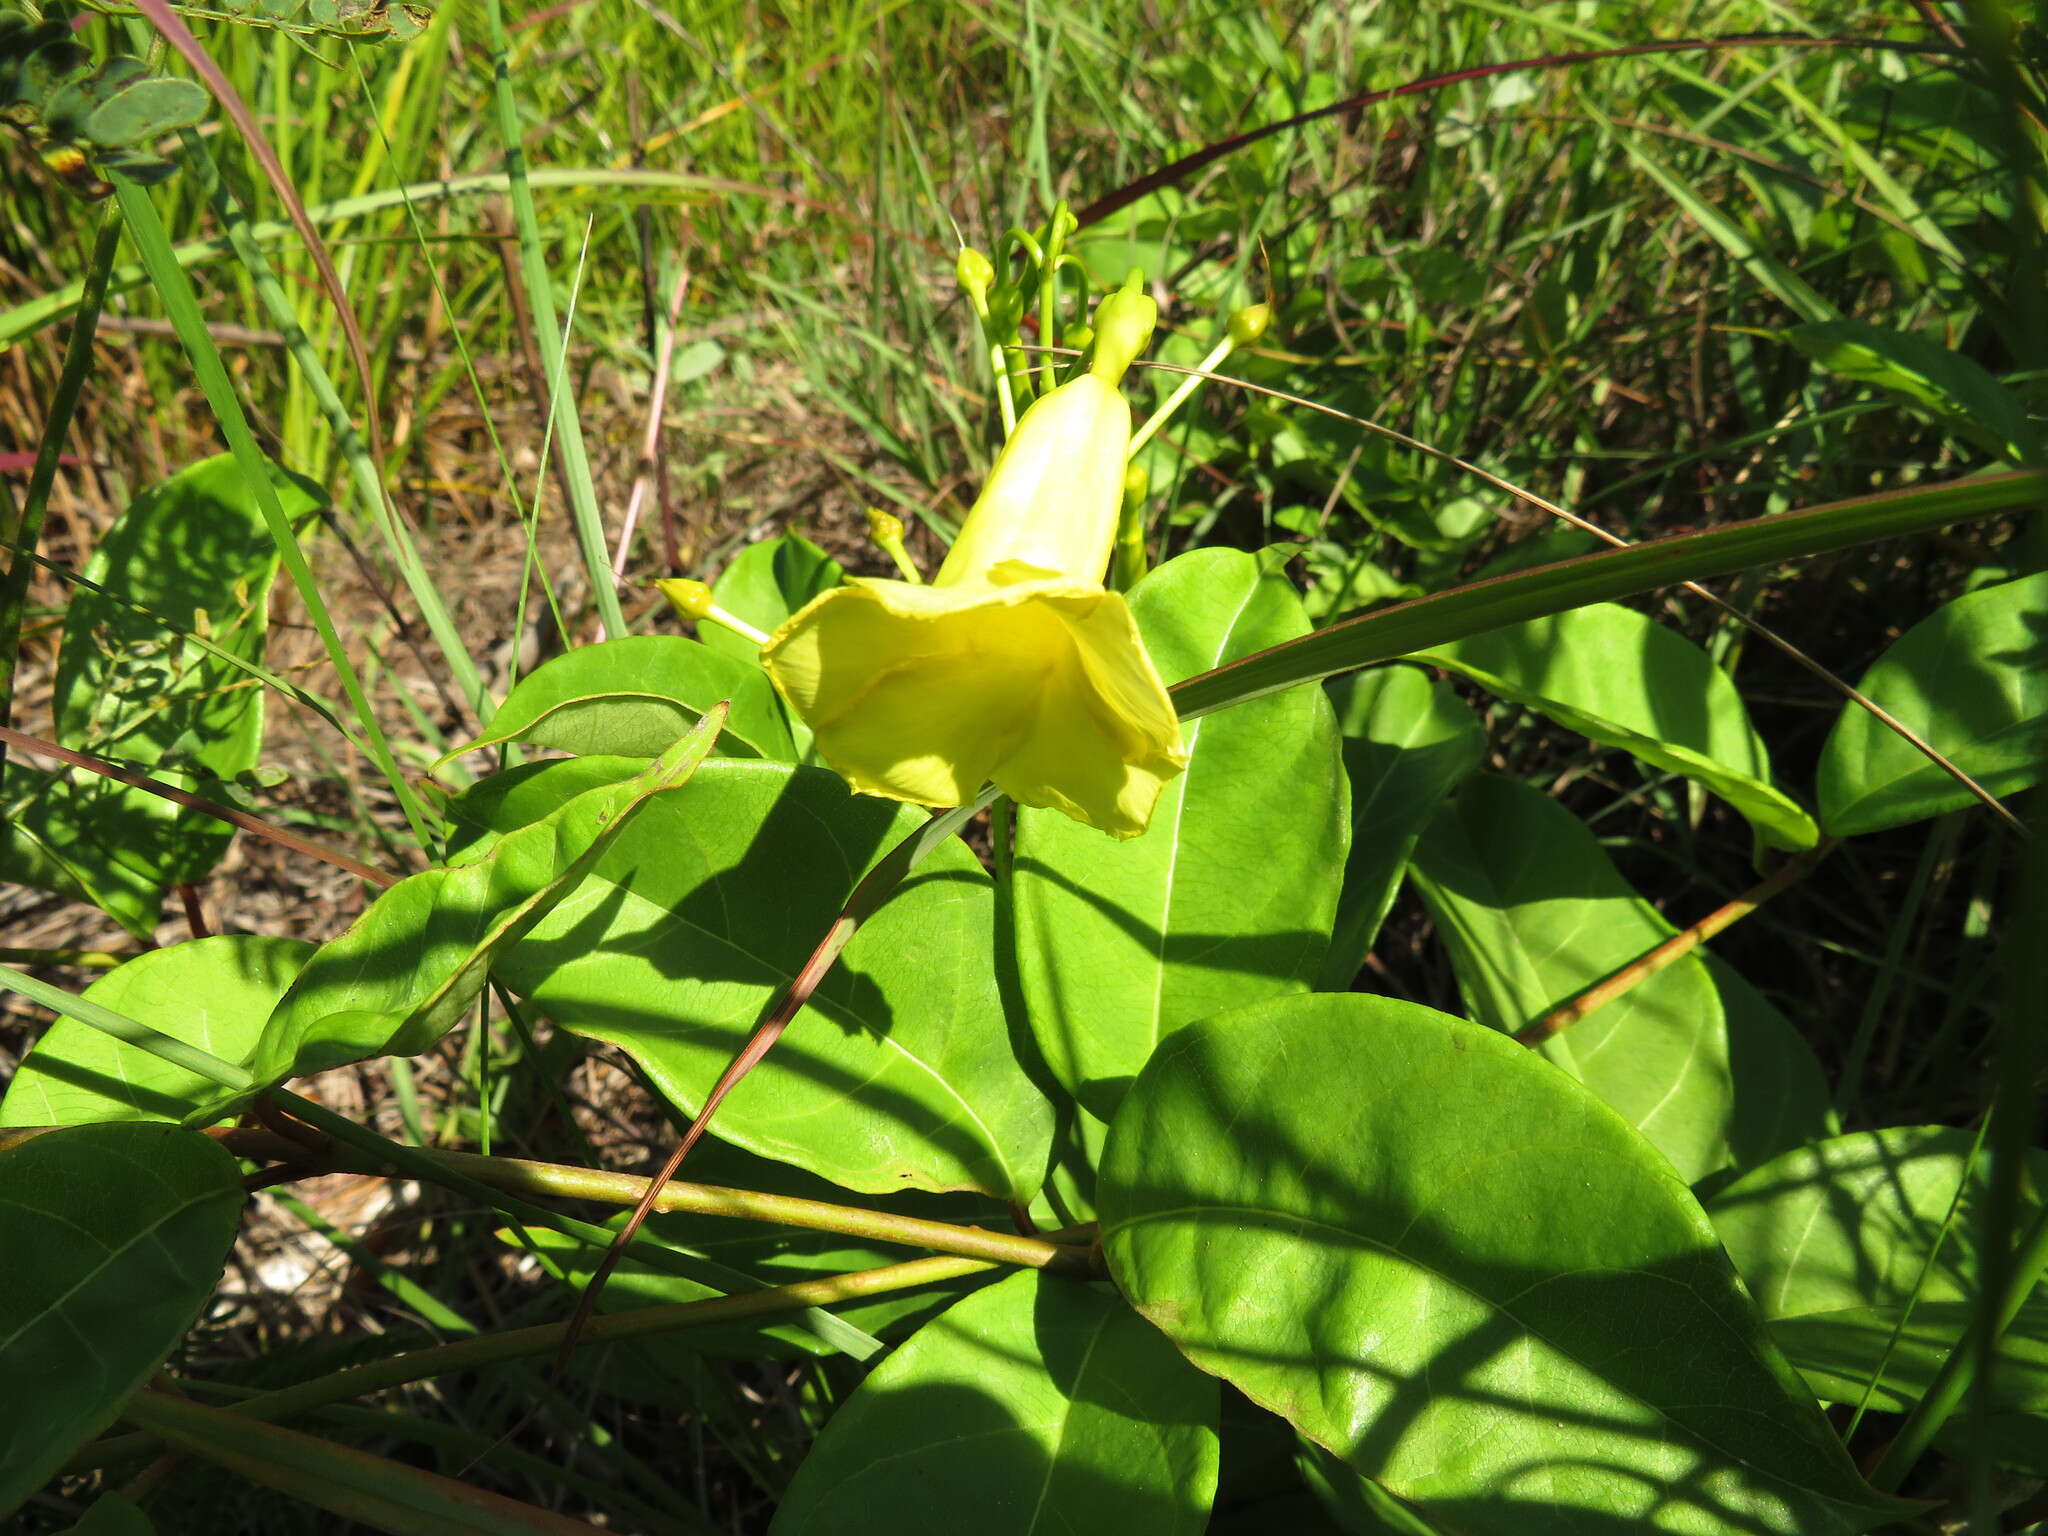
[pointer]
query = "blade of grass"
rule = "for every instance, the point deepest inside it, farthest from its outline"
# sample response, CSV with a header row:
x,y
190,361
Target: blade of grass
x,y
540,294
1597,578
175,291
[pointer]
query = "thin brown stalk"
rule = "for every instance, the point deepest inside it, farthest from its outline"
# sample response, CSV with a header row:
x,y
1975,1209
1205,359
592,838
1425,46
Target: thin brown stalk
x,y
1639,970
270,830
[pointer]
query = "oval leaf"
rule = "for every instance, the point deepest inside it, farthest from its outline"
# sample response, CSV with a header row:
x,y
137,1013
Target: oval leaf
x,y
1442,1259
1972,680
111,1237
1229,897
1407,743
1039,1405
898,1074
632,697
406,970
1843,1247
214,993
194,553
765,584
1533,912
1620,679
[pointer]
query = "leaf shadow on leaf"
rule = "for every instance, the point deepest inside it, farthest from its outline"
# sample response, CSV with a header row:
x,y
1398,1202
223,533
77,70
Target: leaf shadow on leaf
x,y
1533,1336
848,998
1586,1315
1274,955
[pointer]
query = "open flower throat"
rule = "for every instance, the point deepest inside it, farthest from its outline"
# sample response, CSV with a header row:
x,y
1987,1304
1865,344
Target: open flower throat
x,y
1015,665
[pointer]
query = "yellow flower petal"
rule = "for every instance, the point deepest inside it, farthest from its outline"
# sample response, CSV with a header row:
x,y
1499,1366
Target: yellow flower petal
x,y
922,693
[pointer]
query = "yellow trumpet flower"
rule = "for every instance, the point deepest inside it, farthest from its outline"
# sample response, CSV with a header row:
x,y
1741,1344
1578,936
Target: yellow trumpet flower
x,y
1015,664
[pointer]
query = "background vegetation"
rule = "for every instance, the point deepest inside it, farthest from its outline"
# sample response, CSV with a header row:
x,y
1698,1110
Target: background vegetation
x,y
1576,277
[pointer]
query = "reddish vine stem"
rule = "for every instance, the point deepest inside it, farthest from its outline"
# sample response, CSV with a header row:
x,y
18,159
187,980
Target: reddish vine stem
x,y
1673,949
227,813
874,888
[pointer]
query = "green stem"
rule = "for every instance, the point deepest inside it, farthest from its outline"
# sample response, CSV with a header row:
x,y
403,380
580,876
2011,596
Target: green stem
x,y
527,1343
141,1036
25,530
429,1169
1194,379
554,1179
182,305
540,296
2029,1262
1387,633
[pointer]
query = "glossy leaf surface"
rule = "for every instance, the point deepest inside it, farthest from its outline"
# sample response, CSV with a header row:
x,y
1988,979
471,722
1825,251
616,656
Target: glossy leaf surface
x,y
1619,678
1407,742
899,1073
214,993
1972,680
1843,1247
405,971
1035,1406
1441,1258
1533,912
111,1236
631,697
1228,898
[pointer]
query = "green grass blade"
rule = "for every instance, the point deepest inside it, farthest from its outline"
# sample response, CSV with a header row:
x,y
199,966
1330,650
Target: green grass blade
x,y
182,305
1604,577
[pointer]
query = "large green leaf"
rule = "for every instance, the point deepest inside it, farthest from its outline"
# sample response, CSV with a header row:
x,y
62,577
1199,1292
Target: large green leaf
x,y
899,1074
1956,391
214,993
1441,1258
1841,1243
632,697
1533,912
1407,743
1621,679
765,584
408,968
1229,896
1972,679
111,1236
192,555
1033,1407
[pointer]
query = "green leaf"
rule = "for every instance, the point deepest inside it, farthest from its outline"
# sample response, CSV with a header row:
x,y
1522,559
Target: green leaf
x,y
214,993
382,1494
1035,1406
1229,896
1958,393
1407,743
111,1236
1477,607
1620,679
407,969
765,584
632,697
1533,913
112,1515
1972,680
1439,1257
898,1074
148,109
1835,1241
192,555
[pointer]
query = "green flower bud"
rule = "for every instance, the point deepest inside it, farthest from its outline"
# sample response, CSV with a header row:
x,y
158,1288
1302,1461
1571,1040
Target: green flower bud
x,y
1123,328
1249,324
975,273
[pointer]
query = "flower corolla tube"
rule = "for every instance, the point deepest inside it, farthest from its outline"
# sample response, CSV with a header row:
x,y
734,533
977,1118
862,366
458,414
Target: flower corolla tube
x,y
1015,665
